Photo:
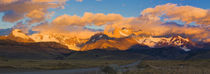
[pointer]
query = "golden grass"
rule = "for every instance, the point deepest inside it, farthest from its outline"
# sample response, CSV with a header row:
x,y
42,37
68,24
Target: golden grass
x,y
58,64
172,67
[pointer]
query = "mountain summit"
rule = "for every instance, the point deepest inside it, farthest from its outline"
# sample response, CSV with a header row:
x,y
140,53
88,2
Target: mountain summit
x,y
159,42
18,36
72,43
103,41
97,37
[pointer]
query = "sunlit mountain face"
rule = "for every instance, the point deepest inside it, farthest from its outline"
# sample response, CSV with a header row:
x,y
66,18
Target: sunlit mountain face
x,y
103,41
167,25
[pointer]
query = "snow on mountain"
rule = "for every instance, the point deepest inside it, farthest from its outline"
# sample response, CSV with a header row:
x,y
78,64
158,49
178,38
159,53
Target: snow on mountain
x,y
97,37
150,41
44,38
123,34
178,40
72,42
185,49
101,40
18,36
153,42
19,33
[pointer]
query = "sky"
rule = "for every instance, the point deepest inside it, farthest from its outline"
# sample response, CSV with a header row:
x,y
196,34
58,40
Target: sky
x,y
126,8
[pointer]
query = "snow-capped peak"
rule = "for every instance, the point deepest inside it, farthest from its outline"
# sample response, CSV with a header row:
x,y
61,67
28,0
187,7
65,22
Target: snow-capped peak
x,y
178,40
97,37
153,42
19,33
125,32
43,38
71,42
185,49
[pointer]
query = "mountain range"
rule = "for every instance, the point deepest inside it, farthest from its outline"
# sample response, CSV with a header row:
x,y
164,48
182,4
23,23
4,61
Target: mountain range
x,y
103,41
57,46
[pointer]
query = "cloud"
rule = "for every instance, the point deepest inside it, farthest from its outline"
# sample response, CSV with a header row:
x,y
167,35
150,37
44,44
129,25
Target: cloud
x,y
76,25
150,23
87,19
79,0
11,16
23,27
36,15
187,14
16,10
7,1
47,1
66,30
157,21
28,11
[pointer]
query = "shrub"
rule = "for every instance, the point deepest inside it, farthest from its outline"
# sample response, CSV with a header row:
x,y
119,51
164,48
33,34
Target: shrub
x,y
110,69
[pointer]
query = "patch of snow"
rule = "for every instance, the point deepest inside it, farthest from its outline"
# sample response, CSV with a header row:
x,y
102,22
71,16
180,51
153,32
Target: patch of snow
x,y
150,41
18,33
43,38
70,42
186,49
100,36
73,47
93,40
121,33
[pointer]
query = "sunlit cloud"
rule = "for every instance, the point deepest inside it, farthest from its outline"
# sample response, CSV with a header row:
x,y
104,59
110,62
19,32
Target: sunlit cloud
x,y
79,0
187,14
151,21
87,19
33,10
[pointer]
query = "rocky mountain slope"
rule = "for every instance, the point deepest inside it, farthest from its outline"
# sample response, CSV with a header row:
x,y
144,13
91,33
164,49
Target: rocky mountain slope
x,y
18,36
103,41
72,43
101,46
41,50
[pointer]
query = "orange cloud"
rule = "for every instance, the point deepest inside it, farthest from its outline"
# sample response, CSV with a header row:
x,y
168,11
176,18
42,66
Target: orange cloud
x,y
36,15
149,23
7,1
79,0
61,1
74,25
17,9
66,30
187,14
87,19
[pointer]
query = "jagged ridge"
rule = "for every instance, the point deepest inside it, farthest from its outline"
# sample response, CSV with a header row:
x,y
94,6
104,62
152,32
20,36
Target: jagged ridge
x,y
103,41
